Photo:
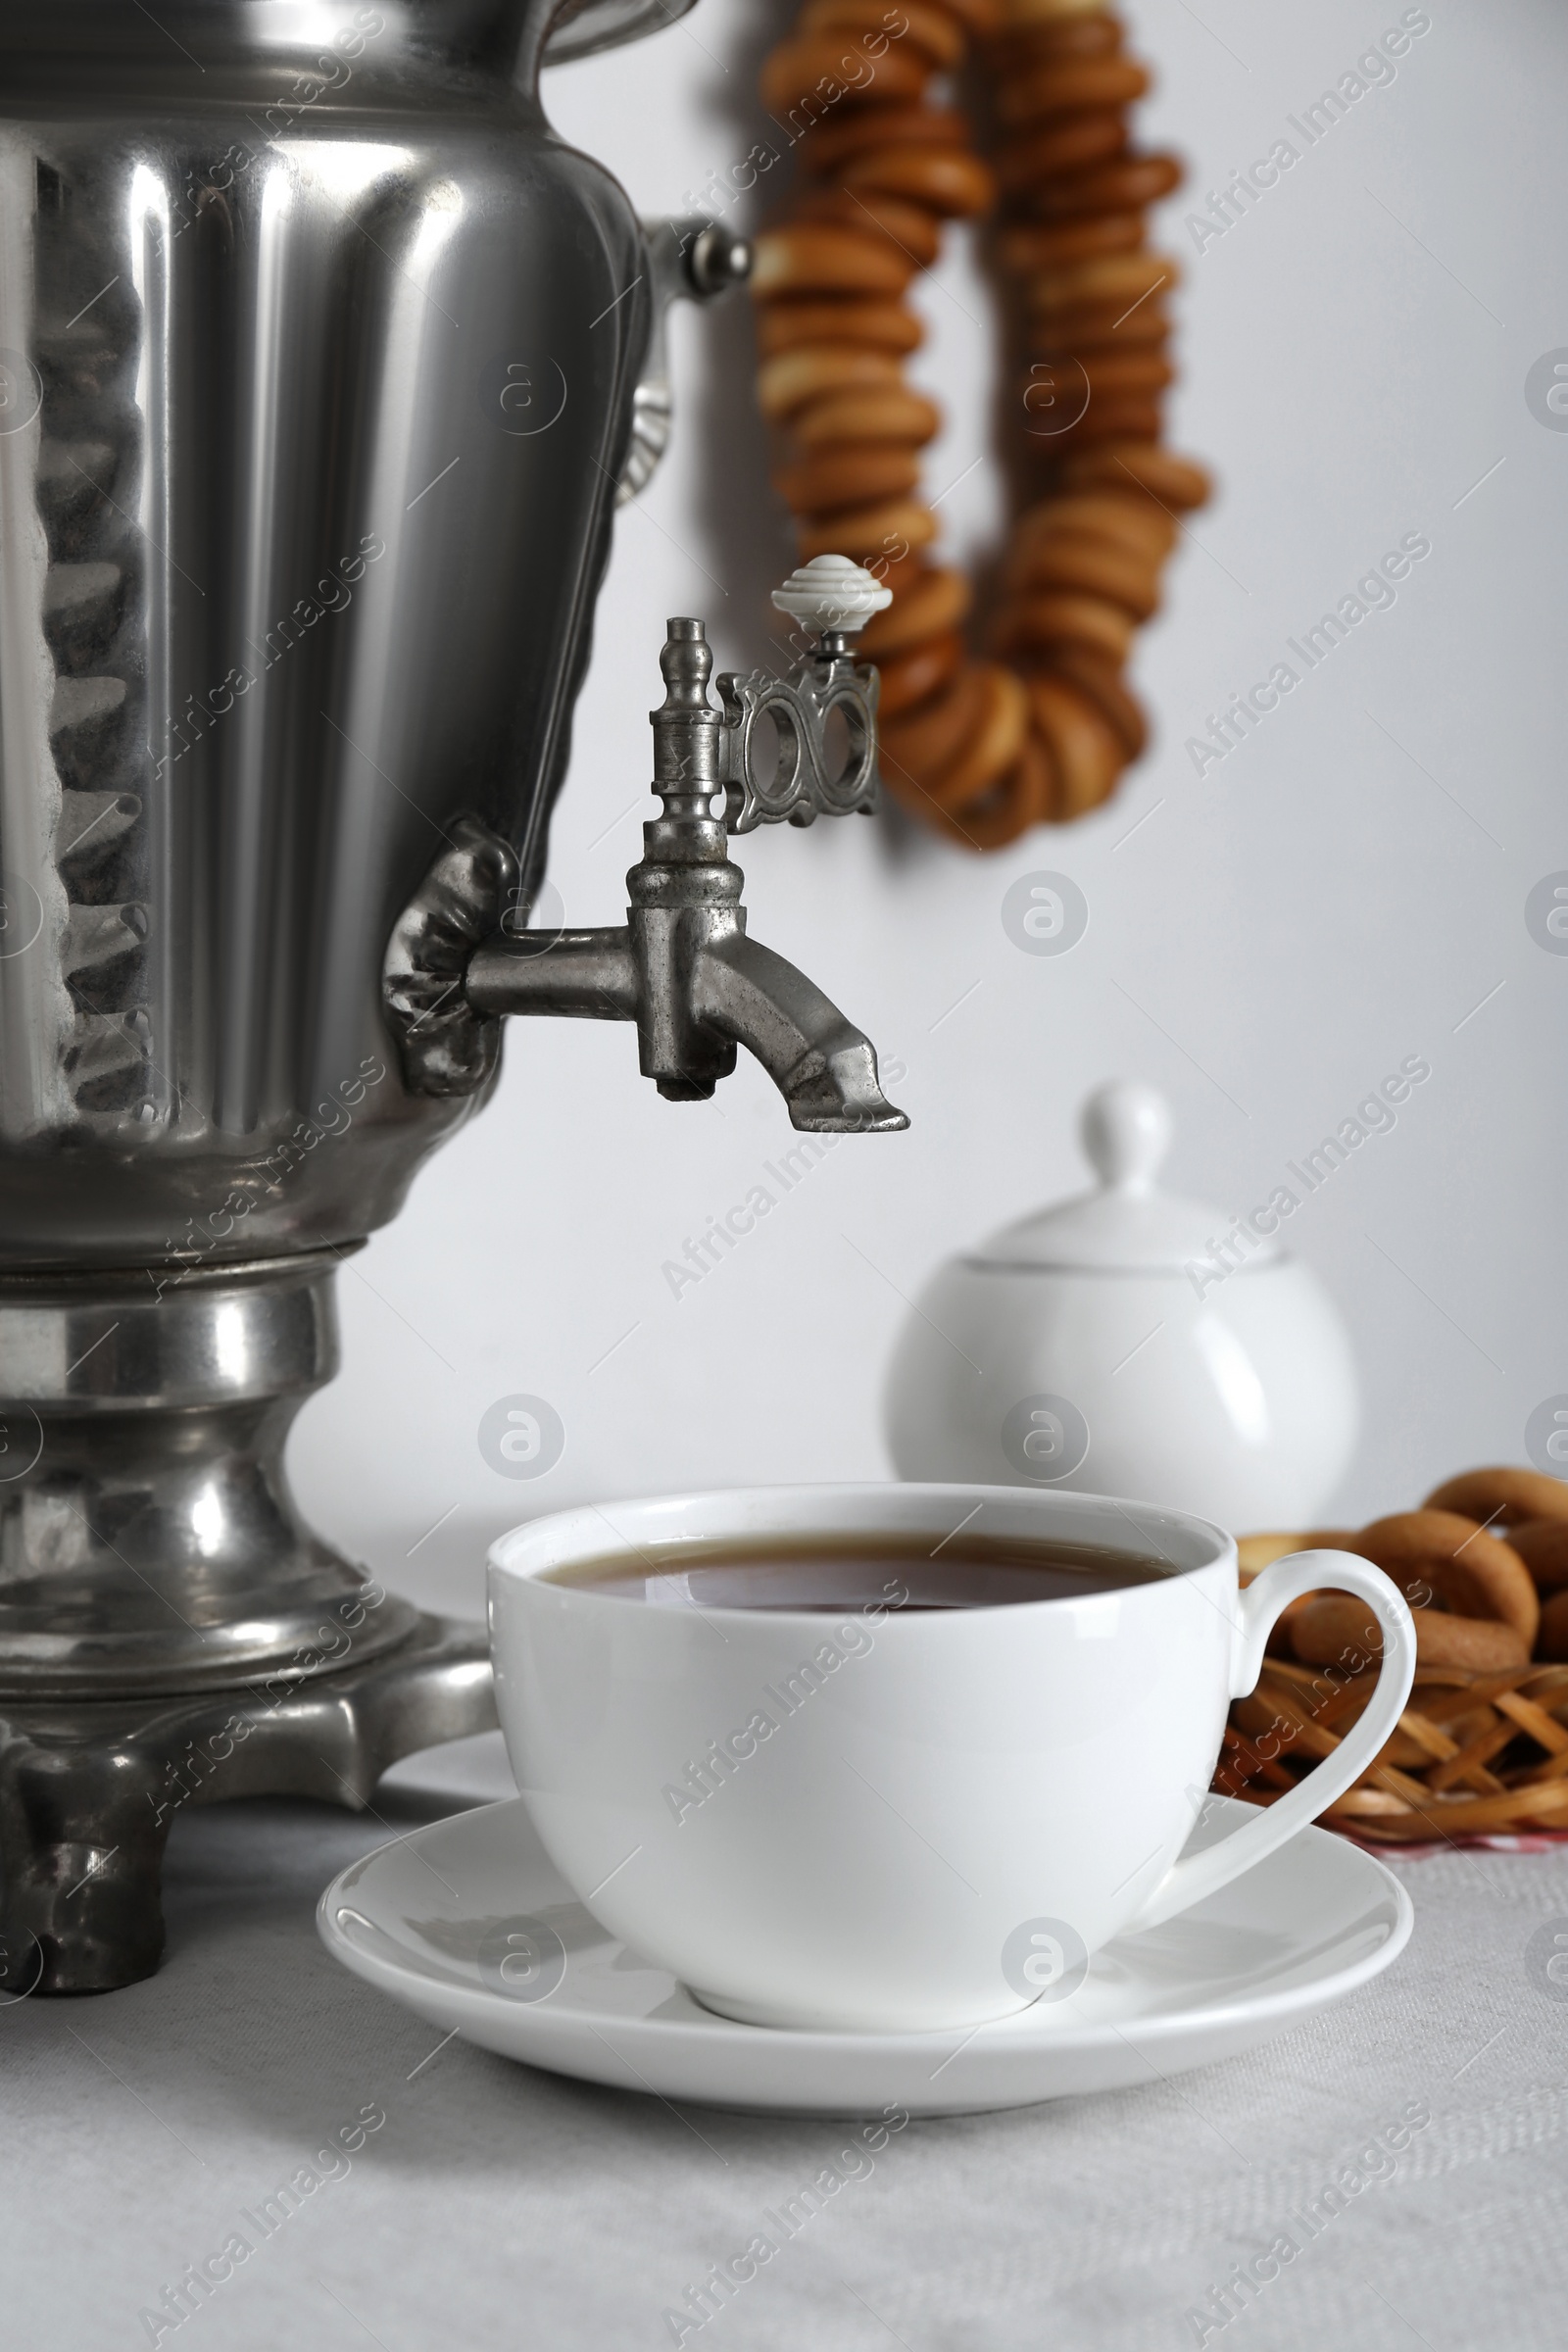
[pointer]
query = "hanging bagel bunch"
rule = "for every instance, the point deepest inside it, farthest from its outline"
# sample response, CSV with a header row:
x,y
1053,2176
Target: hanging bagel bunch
x,y
1482,1747
1039,727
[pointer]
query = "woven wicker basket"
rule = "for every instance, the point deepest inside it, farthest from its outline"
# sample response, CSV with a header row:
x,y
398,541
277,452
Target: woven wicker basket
x,y
1474,1753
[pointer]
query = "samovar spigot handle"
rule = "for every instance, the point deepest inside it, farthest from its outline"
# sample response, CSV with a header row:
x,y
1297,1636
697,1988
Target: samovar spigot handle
x,y
807,774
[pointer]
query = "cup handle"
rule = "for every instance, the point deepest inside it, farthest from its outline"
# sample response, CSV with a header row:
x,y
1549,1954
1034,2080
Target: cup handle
x,y
1196,1876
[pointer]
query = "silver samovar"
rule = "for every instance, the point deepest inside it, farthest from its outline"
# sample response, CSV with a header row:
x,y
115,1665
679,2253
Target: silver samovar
x,y
320,363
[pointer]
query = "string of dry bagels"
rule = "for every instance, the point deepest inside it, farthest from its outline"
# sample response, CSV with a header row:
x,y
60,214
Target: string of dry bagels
x,y
1039,726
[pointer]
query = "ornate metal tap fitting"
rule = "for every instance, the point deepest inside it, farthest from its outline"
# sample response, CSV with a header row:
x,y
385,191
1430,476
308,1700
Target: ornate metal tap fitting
x,y
681,966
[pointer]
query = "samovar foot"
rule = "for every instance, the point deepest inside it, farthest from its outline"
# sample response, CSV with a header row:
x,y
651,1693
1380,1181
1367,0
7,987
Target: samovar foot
x,y
88,1788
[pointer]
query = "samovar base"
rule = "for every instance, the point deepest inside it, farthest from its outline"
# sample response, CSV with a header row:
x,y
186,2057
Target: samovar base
x,y
171,1631
89,1787
149,1543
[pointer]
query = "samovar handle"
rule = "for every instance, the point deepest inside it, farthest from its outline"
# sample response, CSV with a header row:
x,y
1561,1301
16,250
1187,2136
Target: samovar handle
x,y
691,258
802,773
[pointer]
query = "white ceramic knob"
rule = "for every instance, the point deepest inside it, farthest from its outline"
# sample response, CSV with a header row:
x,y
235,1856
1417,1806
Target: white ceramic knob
x,y
1126,1130
832,592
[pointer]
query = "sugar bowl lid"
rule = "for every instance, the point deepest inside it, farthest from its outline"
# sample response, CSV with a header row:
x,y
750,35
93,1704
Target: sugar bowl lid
x,y
1126,1225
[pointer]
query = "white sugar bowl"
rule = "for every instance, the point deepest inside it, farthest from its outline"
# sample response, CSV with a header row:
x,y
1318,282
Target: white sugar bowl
x,y
1130,1342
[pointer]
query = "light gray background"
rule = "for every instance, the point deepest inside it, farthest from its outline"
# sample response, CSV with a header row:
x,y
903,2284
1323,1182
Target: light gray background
x,y
1271,941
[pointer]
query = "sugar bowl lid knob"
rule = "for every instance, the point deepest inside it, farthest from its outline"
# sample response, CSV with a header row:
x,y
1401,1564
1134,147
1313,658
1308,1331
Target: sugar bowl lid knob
x,y
1126,1129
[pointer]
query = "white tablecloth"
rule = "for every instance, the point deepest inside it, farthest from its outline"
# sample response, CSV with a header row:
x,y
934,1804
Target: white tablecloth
x,y
495,2205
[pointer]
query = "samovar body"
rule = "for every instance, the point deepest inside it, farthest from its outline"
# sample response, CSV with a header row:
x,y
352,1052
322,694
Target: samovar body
x,y
314,400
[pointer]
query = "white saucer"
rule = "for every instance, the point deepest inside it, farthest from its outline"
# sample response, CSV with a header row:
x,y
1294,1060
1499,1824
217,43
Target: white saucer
x,y
428,1918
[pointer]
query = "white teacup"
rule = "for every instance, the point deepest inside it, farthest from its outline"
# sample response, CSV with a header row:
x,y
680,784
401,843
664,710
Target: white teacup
x,y
888,1822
